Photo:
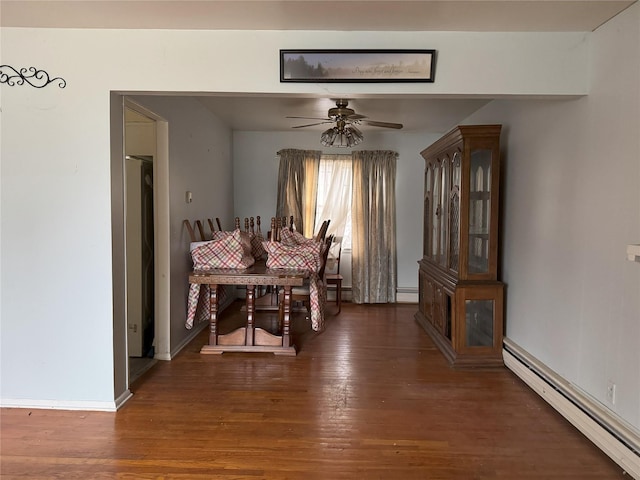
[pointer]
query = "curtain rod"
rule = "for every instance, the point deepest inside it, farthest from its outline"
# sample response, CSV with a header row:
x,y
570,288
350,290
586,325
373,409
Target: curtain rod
x,y
279,152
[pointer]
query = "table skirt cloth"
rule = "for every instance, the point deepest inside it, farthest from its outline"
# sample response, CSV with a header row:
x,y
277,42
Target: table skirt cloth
x,y
198,303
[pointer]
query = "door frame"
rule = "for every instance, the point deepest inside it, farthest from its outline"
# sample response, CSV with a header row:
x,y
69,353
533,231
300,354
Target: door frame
x,y
161,231
118,101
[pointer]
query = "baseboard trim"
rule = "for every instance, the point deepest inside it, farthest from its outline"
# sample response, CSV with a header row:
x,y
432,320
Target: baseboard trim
x,y
62,404
407,295
122,399
192,334
197,328
609,433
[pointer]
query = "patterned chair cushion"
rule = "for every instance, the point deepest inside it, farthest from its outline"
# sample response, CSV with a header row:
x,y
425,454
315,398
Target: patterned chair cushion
x,y
292,238
228,251
251,242
257,250
299,257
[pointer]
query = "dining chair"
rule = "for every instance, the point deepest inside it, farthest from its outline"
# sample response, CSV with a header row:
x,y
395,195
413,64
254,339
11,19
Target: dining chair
x,y
192,231
303,294
335,278
273,235
322,232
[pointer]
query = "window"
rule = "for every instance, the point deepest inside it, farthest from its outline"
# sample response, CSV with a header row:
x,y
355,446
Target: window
x,y
334,196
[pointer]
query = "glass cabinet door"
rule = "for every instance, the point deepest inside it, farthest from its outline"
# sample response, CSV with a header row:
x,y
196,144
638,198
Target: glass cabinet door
x,y
454,213
428,218
436,211
480,315
444,215
479,319
479,211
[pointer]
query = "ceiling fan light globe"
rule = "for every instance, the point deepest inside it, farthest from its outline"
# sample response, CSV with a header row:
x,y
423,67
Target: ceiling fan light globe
x,y
328,137
355,134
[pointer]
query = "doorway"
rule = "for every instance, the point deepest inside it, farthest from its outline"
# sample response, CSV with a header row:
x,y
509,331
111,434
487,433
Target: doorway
x,y
146,135
140,263
140,151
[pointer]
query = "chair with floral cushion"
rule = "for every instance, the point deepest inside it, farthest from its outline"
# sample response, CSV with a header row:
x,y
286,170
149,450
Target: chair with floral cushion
x,y
313,290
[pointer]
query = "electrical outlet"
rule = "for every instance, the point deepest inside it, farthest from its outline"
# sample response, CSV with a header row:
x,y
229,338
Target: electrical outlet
x,y
611,392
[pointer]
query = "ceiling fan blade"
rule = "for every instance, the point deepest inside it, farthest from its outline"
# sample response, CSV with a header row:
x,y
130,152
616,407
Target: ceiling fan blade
x,y
312,118
356,116
373,123
312,124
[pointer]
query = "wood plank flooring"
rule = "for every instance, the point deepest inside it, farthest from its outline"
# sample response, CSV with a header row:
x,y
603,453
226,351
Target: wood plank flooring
x,y
369,398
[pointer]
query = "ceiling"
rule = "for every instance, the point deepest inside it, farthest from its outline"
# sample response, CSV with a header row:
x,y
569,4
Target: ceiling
x,y
343,15
268,113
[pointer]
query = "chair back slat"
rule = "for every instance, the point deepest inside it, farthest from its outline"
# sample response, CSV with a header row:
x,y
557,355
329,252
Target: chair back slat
x,y
324,255
201,230
211,227
323,230
273,233
192,233
193,236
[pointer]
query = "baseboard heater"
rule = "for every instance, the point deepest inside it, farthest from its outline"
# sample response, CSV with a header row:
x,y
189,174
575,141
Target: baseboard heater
x,y
609,433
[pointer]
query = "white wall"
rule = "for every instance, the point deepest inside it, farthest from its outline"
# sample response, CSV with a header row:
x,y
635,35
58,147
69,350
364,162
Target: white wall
x,y
572,204
57,303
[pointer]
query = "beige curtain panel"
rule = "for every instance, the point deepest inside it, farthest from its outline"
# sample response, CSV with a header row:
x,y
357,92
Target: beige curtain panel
x,y
297,187
373,219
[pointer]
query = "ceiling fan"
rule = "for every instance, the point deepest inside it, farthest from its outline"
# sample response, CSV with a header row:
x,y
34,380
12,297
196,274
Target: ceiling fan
x,y
344,133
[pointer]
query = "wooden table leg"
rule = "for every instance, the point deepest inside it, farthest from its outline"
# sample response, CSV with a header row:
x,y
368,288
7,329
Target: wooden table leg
x,y
286,308
213,314
251,298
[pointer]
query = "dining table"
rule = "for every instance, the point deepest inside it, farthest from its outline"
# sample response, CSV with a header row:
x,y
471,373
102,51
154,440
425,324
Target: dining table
x,y
249,338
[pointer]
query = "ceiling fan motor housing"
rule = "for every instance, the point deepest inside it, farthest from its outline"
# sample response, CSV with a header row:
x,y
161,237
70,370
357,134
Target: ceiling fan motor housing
x,y
341,110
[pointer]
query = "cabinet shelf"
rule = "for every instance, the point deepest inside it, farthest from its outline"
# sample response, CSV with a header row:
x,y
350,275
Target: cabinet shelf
x,y
460,297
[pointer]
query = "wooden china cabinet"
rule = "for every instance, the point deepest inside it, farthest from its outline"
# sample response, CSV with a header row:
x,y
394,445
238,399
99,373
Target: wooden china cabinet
x,y
461,300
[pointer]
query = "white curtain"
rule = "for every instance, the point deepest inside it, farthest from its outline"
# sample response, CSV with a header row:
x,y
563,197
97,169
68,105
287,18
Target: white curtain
x,y
334,203
373,212
297,187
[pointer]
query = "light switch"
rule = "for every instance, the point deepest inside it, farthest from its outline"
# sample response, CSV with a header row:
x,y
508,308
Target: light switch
x,y
188,197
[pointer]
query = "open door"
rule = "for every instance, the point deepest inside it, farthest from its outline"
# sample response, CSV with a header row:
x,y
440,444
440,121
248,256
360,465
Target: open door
x,y
140,255
140,152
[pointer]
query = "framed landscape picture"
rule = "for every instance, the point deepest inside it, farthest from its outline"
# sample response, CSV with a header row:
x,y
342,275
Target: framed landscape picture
x,y
357,65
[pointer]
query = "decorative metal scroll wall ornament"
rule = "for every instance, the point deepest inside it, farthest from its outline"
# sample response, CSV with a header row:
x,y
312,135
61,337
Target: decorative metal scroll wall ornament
x,y
34,77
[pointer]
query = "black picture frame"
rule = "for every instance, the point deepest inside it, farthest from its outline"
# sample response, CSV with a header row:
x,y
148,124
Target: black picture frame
x,y
357,66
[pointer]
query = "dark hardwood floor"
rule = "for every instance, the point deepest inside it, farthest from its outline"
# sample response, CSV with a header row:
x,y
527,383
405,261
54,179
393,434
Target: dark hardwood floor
x,y
369,398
